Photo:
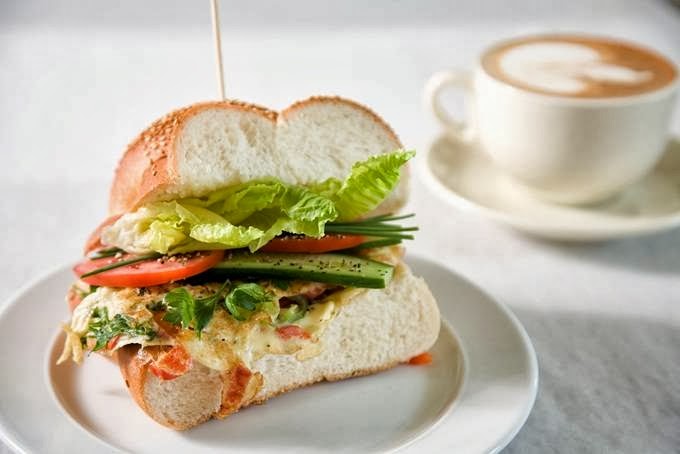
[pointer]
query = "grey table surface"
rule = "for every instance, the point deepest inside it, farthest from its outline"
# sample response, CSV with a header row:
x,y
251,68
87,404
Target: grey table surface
x,y
77,81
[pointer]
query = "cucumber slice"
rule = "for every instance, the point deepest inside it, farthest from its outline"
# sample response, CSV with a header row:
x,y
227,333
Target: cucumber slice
x,y
330,268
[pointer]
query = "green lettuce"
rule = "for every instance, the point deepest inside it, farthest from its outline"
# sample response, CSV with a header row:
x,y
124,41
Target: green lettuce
x,y
252,214
369,183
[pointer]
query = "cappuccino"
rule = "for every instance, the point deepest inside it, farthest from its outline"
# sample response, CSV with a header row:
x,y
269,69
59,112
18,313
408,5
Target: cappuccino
x,y
578,66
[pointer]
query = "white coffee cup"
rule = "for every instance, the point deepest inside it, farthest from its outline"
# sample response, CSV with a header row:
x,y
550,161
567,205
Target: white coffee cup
x,y
563,149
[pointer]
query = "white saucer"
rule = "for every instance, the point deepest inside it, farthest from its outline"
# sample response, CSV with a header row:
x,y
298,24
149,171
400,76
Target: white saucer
x,y
473,398
466,178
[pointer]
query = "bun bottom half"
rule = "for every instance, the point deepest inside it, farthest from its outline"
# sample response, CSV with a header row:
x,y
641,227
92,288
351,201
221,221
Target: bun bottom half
x,y
375,331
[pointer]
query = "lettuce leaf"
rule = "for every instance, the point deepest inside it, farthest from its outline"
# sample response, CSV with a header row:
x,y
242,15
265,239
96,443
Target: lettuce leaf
x,y
173,227
369,183
252,214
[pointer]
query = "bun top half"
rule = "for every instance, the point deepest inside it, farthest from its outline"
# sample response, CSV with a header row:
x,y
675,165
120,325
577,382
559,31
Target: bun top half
x,y
206,146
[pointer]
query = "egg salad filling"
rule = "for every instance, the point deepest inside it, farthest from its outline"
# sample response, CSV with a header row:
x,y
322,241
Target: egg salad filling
x,y
218,324
212,321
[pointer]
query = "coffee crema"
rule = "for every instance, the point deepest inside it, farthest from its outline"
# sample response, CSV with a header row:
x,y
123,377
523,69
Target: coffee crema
x,y
578,66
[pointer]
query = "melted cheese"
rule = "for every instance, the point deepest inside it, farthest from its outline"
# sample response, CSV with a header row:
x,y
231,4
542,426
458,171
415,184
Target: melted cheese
x,y
226,341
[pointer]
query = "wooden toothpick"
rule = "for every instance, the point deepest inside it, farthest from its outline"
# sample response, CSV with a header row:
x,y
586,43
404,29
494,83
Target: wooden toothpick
x,y
218,47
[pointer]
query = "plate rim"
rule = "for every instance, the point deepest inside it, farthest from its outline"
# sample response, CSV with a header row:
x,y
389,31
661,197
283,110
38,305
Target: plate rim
x,y
529,224
8,302
7,436
46,376
533,370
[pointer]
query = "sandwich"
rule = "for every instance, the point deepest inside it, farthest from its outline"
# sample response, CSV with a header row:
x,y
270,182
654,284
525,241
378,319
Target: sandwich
x,y
248,253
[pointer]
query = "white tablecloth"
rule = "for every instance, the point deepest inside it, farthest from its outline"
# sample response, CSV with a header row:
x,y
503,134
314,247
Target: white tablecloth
x,y
78,81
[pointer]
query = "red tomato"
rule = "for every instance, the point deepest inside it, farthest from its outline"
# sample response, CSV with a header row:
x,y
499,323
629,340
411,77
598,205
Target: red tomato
x,y
110,345
421,360
163,375
147,273
171,364
236,384
289,331
326,243
94,241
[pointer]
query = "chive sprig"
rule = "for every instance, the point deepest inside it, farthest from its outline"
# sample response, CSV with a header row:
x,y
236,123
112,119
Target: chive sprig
x,y
378,227
111,266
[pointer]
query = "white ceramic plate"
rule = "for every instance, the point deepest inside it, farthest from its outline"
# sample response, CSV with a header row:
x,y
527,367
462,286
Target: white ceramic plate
x,y
473,398
467,179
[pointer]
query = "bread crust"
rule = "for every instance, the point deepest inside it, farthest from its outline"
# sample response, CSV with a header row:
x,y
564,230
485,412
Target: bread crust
x,y
149,163
234,393
150,166
134,372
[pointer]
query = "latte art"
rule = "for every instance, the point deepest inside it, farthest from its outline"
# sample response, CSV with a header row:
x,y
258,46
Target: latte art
x,y
578,66
565,68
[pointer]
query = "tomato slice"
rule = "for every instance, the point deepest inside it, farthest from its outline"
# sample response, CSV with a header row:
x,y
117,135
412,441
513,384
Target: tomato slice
x,y
289,331
147,273
421,360
171,364
326,243
110,345
95,239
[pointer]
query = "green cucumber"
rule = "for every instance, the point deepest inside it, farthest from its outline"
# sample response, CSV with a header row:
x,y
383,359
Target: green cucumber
x,y
330,268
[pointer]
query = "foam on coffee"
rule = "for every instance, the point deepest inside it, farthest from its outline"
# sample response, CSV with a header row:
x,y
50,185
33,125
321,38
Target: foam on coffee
x,y
578,66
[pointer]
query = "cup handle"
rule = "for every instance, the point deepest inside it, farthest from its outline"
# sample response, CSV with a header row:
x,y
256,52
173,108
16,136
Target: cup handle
x,y
433,89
